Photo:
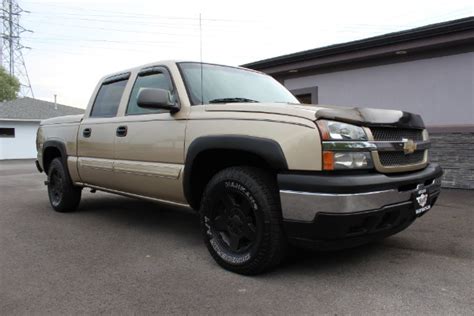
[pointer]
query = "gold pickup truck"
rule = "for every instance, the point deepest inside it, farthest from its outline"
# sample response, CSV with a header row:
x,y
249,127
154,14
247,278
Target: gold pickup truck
x,y
262,170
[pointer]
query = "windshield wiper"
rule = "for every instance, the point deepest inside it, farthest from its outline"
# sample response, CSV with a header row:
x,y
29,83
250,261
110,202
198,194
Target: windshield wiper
x,y
232,100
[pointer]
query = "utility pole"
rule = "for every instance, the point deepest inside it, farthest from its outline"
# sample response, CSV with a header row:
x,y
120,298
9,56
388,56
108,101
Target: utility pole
x,y
10,37
11,55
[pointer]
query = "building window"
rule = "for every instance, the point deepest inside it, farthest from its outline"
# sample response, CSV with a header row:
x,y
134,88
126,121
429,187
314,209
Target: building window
x,y
304,98
306,95
7,132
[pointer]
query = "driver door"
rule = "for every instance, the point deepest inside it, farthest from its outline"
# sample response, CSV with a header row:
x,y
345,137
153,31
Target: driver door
x,y
149,155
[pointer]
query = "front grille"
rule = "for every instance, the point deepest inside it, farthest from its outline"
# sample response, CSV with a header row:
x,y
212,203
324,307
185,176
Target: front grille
x,y
395,134
398,158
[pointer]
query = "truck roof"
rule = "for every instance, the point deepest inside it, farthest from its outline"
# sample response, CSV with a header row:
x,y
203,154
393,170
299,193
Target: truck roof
x,y
168,63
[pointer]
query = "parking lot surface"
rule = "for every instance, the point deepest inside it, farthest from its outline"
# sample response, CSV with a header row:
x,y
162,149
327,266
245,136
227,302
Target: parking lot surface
x,y
117,255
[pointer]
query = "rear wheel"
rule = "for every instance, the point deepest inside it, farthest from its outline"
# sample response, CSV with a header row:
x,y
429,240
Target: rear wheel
x,y
63,195
241,220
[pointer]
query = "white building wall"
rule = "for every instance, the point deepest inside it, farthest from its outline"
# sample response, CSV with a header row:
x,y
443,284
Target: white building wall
x,y
440,89
23,145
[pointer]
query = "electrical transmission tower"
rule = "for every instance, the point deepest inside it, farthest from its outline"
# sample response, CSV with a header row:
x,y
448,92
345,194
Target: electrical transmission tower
x,y
11,56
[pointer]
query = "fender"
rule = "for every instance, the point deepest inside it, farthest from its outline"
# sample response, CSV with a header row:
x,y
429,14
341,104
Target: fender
x,y
268,149
62,149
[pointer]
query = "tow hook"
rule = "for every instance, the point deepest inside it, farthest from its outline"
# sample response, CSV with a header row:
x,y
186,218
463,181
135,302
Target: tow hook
x,y
46,182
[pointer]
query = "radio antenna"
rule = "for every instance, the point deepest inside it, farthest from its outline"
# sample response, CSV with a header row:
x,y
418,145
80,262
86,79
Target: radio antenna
x,y
200,57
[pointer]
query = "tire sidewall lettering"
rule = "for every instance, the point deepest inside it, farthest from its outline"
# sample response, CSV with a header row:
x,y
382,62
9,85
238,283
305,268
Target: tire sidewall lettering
x,y
239,187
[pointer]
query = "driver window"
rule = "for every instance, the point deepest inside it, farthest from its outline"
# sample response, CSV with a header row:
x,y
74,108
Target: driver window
x,y
156,80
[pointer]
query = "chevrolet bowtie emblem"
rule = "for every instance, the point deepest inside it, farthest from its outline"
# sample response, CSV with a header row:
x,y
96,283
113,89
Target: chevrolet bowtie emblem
x,y
409,146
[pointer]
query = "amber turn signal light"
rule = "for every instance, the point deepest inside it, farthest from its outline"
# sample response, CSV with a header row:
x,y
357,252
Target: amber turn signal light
x,y
328,160
323,129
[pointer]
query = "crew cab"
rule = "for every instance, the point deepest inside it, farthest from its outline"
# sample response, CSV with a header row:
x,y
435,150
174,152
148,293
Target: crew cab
x,y
262,170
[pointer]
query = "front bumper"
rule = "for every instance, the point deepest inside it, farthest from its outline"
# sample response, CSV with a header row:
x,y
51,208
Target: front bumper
x,y
334,211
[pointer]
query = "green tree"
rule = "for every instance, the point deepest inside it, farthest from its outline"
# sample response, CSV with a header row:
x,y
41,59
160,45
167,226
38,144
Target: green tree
x,y
9,86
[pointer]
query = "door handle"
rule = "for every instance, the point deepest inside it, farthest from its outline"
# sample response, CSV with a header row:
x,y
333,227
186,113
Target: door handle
x,y
121,131
87,132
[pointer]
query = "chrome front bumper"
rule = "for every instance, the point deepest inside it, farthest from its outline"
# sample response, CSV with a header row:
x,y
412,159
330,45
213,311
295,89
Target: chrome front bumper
x,y
303,206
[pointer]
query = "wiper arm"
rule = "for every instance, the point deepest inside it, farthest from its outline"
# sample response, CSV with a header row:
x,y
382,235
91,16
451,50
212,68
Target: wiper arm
x,y
232,100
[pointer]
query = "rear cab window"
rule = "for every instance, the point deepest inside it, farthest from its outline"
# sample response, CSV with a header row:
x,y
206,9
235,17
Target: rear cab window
x,y
108,98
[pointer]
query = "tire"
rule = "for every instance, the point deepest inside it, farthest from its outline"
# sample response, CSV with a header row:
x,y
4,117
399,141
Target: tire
x,y
241,220
63,195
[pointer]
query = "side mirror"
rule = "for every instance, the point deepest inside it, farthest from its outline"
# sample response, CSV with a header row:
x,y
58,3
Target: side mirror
x,y
153,98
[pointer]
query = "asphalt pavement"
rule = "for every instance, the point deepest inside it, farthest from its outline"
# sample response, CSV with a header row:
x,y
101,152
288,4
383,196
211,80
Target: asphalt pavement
x,y
117,255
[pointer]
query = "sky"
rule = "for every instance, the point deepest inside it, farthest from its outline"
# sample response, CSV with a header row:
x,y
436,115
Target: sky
x,y
74,43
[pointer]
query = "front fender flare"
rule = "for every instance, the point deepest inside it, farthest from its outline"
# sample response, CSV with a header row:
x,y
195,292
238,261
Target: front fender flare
x,y
267,149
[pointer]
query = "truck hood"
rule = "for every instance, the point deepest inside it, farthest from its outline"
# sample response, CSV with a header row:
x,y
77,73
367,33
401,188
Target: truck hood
x,y
355,115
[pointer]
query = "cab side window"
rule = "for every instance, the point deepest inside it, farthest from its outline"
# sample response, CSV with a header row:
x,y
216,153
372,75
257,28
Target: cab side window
x,y
159,80
108,98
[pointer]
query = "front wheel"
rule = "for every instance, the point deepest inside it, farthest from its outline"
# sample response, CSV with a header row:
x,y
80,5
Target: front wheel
x,y
63,195
241,220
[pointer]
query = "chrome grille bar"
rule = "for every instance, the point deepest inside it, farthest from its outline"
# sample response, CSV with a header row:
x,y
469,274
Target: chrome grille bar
x,y
372,145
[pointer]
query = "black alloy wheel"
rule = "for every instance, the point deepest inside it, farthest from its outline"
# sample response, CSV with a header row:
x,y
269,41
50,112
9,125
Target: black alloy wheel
x,y
234,220
241,220
64,196
55,187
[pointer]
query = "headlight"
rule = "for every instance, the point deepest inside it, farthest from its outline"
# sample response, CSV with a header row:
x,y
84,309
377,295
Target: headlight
x,y
346,160
331,130
344,145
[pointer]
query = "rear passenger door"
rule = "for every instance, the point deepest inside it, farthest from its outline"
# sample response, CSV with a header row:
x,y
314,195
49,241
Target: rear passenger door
x,y
149,155
96,138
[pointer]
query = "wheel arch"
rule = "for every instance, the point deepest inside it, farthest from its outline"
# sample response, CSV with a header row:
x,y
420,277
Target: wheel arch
x,y
53,149
209,154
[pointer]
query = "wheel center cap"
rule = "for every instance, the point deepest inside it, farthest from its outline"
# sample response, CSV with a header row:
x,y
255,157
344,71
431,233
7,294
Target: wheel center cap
x,y
235,223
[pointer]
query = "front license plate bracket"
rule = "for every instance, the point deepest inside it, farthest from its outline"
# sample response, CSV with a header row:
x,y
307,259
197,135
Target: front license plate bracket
x,y
421,201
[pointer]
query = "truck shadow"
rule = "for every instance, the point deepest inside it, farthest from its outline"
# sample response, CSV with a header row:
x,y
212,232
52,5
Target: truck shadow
x,y
145,218
162,221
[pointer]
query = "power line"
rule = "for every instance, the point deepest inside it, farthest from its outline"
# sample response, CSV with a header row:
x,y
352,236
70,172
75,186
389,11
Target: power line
x,y
48,16
354,28
116,49
97,28
187,27
74,39
133,14
132,19
11,55
141,17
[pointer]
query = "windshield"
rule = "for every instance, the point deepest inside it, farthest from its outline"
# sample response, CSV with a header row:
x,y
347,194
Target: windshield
x,y
223,84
